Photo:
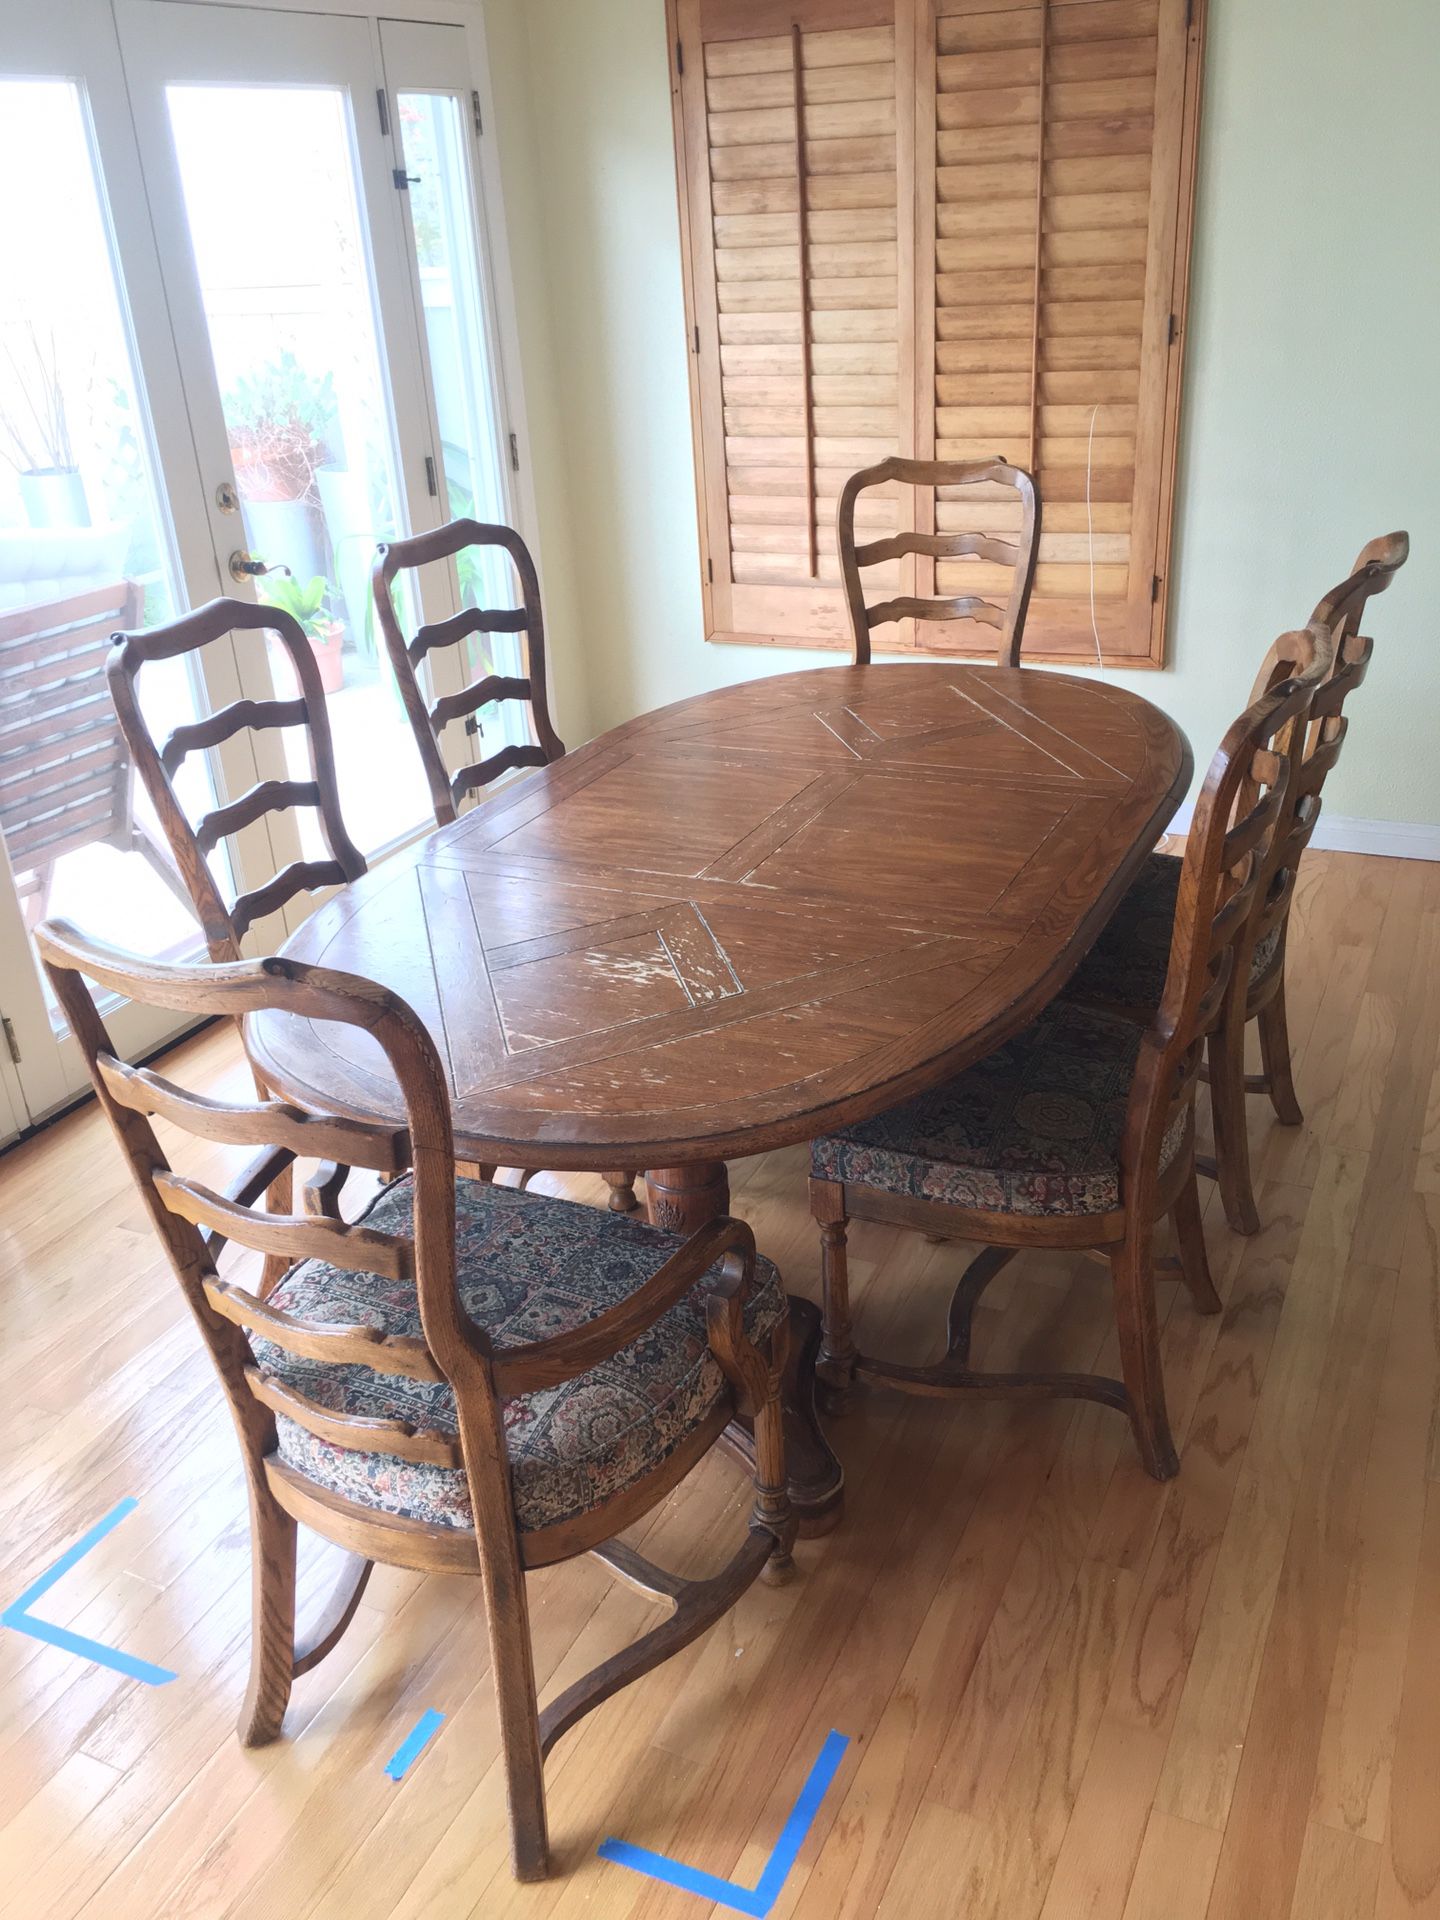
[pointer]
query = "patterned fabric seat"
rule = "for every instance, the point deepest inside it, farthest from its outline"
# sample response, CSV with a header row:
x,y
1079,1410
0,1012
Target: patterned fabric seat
x,y
1034,1128
529,1268
1126,966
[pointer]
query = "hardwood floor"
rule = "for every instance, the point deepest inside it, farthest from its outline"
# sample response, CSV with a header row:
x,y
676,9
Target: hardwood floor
x,y
1068,1691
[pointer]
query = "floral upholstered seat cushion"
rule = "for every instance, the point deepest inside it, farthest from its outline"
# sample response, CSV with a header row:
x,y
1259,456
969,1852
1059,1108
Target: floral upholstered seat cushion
x,y
529,1268
1035,1128
1126,966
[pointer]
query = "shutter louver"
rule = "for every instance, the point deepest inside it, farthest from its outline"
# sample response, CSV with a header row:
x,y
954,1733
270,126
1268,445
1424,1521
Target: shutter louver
x,y
950,232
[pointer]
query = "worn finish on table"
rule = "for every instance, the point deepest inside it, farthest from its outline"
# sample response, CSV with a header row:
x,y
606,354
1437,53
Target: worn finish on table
x,y
743,920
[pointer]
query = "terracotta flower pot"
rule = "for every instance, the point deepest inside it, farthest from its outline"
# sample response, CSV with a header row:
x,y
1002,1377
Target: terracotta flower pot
x,y
326,644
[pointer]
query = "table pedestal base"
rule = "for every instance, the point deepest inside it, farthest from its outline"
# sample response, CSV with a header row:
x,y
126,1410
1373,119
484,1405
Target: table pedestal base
x,y
682,1199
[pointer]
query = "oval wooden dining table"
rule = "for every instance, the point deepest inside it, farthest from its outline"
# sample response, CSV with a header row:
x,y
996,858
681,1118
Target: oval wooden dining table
x,y
744,920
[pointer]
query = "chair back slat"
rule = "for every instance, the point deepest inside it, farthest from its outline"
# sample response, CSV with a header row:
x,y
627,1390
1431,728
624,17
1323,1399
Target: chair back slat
x,y
358,1143
157,762
460,626
266,796
354,1431
989,477
299,1236
342,1344
495,686
225,723
428,721
907,607
300,876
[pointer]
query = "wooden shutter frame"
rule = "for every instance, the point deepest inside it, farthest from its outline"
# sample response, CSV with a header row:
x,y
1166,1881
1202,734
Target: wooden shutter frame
x,y
1167,274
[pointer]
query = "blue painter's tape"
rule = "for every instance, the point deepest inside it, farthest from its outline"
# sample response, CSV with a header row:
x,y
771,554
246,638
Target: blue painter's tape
x,y
759,1899
418,1738
19,1616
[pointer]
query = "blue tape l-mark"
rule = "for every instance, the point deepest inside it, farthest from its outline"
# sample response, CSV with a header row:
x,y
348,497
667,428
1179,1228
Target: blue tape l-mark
x,y
759,1899
418,1738
19,1616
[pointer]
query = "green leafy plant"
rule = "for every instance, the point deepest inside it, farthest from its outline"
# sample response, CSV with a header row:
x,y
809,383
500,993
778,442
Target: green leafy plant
x,y
280,419
308,601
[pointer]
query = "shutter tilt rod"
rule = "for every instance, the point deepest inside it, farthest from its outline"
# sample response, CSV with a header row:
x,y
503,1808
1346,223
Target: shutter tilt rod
x,y
1039,237
806,379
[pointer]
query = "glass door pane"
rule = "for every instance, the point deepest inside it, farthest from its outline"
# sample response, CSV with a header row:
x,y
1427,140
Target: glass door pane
x,y
86,548
426,66
292,331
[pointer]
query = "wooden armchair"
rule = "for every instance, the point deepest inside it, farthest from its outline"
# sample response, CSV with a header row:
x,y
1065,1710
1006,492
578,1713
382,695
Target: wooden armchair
x,y
1126,968
990,478
66,778
429,722
373,1405
226,924
1079,1133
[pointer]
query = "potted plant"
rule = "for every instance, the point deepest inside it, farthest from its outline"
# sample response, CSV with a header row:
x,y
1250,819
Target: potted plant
x,y
309,602
279,420
35,434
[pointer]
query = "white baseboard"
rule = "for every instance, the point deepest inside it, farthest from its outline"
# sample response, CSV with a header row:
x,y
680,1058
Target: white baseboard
x,y
1341,833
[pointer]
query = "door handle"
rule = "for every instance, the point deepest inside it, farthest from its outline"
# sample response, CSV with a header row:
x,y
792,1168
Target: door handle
x,y
244,566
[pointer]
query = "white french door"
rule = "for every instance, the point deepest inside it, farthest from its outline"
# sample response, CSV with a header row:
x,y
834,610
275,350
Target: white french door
x,y
271,249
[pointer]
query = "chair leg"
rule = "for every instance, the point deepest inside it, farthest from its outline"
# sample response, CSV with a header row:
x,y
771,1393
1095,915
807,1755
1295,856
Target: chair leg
x,y
1190,1238
622,1192
1232,1132
1134,1284
272,1619
512,1664
1275,1057
772,1510
835,1367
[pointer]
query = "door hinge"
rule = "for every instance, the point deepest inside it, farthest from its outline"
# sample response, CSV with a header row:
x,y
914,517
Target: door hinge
x,y
432,485
11,1042
697,336
679,57
1154,588
710,571
384,106
403,180
475,109
514,453
1189,14
472,727
1174,328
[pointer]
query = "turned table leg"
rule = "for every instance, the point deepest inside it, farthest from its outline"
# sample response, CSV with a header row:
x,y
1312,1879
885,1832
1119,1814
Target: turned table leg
x,y
681,1199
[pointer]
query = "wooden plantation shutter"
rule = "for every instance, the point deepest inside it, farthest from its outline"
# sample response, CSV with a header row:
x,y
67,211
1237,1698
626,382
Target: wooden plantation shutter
x,y
949,229
796,187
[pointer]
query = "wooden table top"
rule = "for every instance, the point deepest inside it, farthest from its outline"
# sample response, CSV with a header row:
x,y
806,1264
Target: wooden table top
x,y
749,917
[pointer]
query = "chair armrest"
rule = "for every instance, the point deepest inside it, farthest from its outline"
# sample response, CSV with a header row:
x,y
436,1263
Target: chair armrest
x,y
548,1363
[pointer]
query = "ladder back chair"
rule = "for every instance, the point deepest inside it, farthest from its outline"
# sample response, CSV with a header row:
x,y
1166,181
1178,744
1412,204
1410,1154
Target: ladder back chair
x,y
225,925
1079,1133
67,780
428,722
1125,969
468,1379
993,481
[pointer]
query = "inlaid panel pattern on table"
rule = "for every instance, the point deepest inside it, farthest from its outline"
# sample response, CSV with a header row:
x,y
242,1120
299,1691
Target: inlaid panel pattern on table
x,y
740,909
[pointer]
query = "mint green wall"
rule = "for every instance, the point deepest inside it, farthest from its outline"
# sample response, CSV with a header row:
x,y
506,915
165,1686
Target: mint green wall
x,y
1312,409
